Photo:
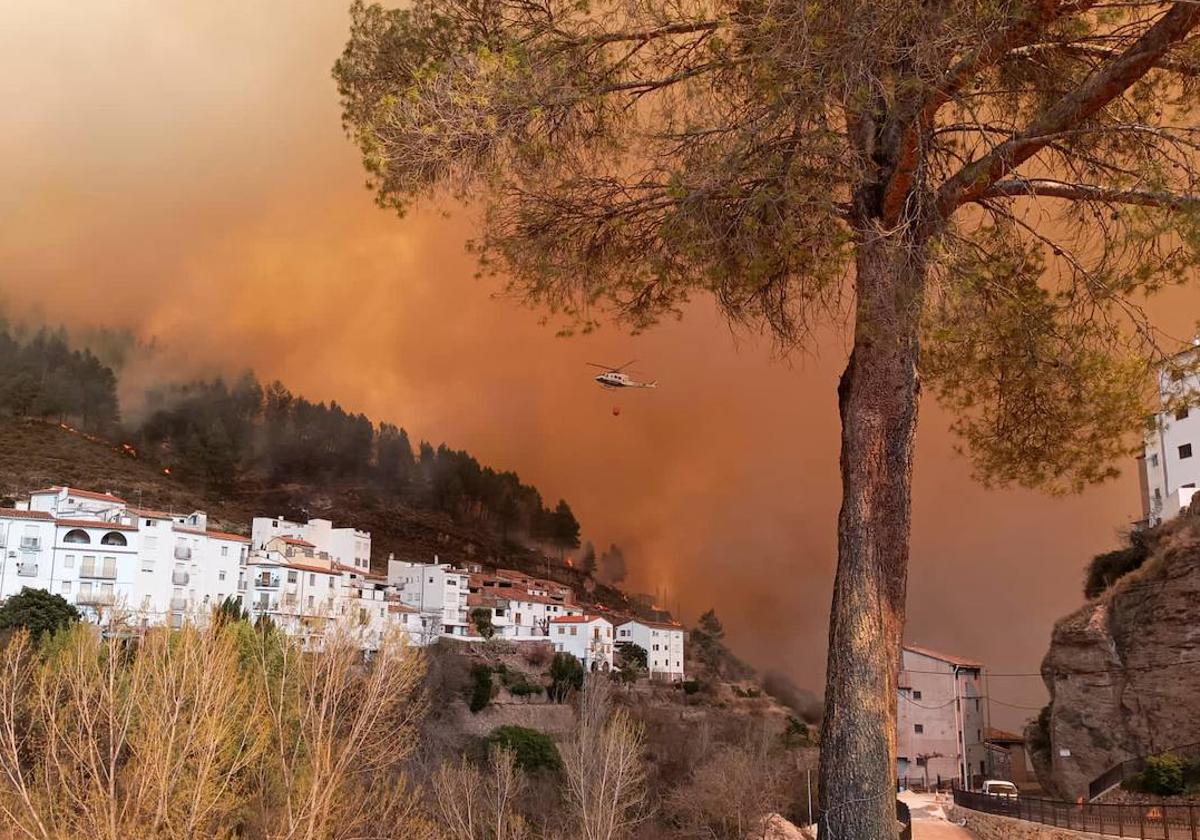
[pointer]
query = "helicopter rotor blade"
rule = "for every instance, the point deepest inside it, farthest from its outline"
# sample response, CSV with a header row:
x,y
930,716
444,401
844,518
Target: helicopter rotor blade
x,y
602,367
622,367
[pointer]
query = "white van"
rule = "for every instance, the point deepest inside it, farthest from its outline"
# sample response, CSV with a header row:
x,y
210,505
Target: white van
x,y
994,787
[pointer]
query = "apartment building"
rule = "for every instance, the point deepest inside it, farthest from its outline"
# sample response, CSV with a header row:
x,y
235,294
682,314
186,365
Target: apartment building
x,y
1169,466
436,590
940,717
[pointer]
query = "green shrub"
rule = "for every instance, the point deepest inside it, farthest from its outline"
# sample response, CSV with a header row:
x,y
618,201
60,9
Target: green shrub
x,y
481,687
1106,569
481,617
798,733
525,689
531,749
1163,775
566,675
516,682
38,611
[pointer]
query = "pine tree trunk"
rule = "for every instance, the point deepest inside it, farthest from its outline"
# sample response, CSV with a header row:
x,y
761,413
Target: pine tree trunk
x,y
877,397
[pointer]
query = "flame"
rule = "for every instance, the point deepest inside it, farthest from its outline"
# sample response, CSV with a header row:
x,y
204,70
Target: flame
x,y
166,470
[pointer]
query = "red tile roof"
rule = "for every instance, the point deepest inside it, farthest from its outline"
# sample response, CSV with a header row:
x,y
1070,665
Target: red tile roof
x,y
661,625
87,494
944,657
12,513
1001,736
309,567
147,513
576,619
296,541
95,523
225,535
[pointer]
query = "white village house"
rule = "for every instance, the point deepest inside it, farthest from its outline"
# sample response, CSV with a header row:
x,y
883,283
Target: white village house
x,y
589,638
151,567
662,642
438,591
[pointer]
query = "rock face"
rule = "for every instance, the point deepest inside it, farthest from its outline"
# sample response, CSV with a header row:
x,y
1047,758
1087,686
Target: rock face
x,y
1124,671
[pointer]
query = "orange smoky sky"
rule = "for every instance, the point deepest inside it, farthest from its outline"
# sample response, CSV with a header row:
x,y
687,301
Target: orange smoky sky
x,y
177,167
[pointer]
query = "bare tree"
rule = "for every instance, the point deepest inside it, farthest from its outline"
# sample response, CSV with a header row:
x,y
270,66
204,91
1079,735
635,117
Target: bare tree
x,y
97,740
473,806
340,731
1002,182
603,763
732,793
205,733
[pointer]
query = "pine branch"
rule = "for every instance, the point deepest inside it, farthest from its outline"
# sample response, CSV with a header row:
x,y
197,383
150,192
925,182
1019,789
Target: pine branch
x,y
1034,187
1098,90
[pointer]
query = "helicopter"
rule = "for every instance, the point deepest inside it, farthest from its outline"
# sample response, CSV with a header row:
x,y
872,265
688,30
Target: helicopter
x,y
614,378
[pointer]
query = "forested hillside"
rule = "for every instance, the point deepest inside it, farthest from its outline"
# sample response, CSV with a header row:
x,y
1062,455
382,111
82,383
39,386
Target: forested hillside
x,y
247,438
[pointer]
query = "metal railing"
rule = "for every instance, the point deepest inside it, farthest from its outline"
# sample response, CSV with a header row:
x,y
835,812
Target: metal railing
x,y
27,569
102,571
95,597
180,578
1161,821
30,543
182,552
178,604
266,582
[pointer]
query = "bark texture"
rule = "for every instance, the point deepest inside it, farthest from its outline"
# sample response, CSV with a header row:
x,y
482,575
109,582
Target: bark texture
x,y
878,402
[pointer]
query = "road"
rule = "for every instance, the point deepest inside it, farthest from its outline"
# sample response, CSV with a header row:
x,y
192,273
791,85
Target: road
x,y
929,818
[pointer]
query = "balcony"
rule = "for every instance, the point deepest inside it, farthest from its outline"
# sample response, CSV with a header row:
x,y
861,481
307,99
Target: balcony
x,y
31,544
104,572
180,578
265,606
27,569
95,598
179,604
182,552
266,582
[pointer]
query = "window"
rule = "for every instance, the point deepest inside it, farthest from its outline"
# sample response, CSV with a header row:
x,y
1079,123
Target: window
x,y
75,535
916,695
113,538
66,587
1154,460
224,551
291,576
312,579
69,561
920,761
221,575
574,631
1181,413
1185,451
918,728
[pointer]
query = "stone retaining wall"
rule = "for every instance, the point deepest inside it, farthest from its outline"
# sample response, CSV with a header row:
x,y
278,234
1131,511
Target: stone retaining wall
x,y
993,827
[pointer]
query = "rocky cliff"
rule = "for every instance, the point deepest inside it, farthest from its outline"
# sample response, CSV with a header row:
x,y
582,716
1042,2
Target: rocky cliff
x,y
1124,670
